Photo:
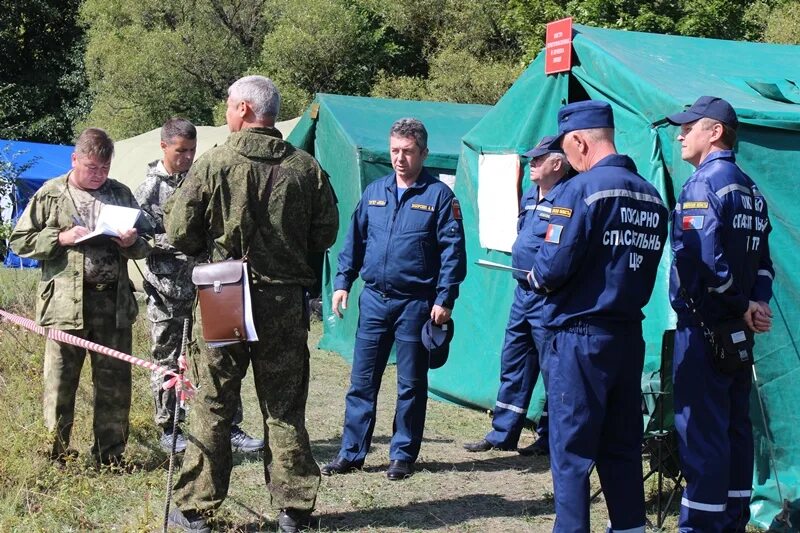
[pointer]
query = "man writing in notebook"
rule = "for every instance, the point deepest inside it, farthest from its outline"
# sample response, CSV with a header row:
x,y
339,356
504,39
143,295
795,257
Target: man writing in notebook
x,y
84,291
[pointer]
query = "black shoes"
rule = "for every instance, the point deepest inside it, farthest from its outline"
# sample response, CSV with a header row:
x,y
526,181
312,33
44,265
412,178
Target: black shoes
x,y
191,521
539,448
341,466
292,520
165,442
242,442
484,445
399,470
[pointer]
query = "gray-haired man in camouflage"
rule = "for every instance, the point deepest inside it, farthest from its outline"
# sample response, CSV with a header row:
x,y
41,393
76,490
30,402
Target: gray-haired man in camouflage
x,y
259,195
168,282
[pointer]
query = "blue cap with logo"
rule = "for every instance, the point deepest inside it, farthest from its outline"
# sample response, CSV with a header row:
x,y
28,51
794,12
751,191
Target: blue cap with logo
x,y
707,107
585,115
545,146
436,339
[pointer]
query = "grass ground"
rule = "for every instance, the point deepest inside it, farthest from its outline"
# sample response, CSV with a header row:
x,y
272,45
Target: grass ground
x,y
452,490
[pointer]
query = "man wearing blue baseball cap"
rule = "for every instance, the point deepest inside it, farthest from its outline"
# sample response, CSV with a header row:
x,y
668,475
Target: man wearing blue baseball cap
x,y
519,362
597,267
721,270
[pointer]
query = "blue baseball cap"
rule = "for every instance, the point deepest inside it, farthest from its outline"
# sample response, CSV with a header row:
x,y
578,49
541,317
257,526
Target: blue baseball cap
x,y
545,146
585,115
707,107
436,339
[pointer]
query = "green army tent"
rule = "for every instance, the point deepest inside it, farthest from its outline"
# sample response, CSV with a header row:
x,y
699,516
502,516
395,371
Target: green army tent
x,y
349,136
646,77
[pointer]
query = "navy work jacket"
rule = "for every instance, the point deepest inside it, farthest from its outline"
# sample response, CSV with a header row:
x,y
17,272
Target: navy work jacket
x,y
720,242
534,217
413,247
601,250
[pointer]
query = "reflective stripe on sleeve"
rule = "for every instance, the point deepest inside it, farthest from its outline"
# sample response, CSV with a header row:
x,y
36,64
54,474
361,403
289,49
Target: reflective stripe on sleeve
x,y
724,287
733,187
766,273
739,493
535,281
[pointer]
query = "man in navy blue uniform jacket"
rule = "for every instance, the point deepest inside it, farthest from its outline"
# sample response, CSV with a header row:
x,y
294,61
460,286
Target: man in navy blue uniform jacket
x,y
406,240
525,332
597,266
721,263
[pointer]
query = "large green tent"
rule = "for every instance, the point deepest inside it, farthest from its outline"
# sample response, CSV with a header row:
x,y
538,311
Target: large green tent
x,y
646,77
349,136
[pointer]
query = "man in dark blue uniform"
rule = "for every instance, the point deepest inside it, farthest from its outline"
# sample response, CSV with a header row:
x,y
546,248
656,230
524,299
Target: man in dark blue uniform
x,y
721,269
406,240
525,332
597,266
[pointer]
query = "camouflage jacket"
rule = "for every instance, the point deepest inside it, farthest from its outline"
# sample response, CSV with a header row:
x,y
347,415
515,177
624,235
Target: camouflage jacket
x,y
60,294
222,207
166,268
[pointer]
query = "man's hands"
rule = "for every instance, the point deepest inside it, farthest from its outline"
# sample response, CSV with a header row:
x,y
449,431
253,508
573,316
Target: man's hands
x,y
758,316
68,238
126,239
440,314
339,297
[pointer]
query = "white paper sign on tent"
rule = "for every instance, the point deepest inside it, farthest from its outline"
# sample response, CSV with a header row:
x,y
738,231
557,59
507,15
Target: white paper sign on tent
x,y
498,204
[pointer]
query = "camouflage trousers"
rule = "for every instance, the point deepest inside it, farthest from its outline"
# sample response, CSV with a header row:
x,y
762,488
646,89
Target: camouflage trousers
x,y
280,362
166,316
111,379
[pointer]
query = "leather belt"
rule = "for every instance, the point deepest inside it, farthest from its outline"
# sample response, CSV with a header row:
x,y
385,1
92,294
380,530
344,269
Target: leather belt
x,y
100,287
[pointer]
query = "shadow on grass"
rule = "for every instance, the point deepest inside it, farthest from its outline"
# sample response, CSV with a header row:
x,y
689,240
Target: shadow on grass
x,y
428,515
327,450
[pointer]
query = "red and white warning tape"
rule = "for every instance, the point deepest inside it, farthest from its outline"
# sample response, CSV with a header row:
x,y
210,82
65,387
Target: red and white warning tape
x,y
183,387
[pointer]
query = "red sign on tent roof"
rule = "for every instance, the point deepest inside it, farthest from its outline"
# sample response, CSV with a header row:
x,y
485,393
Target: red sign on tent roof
x,y
558,46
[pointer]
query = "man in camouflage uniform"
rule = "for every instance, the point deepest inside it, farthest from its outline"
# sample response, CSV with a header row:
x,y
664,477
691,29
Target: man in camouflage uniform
x,y
260,196
168,281
84,291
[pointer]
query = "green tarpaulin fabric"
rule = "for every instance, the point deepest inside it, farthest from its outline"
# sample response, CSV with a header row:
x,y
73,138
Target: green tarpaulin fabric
x,y
646,77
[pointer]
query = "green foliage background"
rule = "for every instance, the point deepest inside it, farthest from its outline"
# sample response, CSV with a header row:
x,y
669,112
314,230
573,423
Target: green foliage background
x,y
127,65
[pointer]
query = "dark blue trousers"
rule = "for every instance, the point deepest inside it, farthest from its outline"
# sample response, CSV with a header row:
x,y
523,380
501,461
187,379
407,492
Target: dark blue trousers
x,y
593,379
712,417
519,370
383,322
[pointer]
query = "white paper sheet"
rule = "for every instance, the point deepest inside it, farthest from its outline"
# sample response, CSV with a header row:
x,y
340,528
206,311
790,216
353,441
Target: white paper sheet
x,y
498,204
449,180
113,221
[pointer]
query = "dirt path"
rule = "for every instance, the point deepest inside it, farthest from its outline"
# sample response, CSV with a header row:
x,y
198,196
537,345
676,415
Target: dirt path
x,y
452,490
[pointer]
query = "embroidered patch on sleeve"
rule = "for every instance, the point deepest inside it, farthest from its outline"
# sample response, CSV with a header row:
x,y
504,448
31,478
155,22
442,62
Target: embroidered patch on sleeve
x,y
565,212
456,209
379,203
422,207
553,233
692,222
695,205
